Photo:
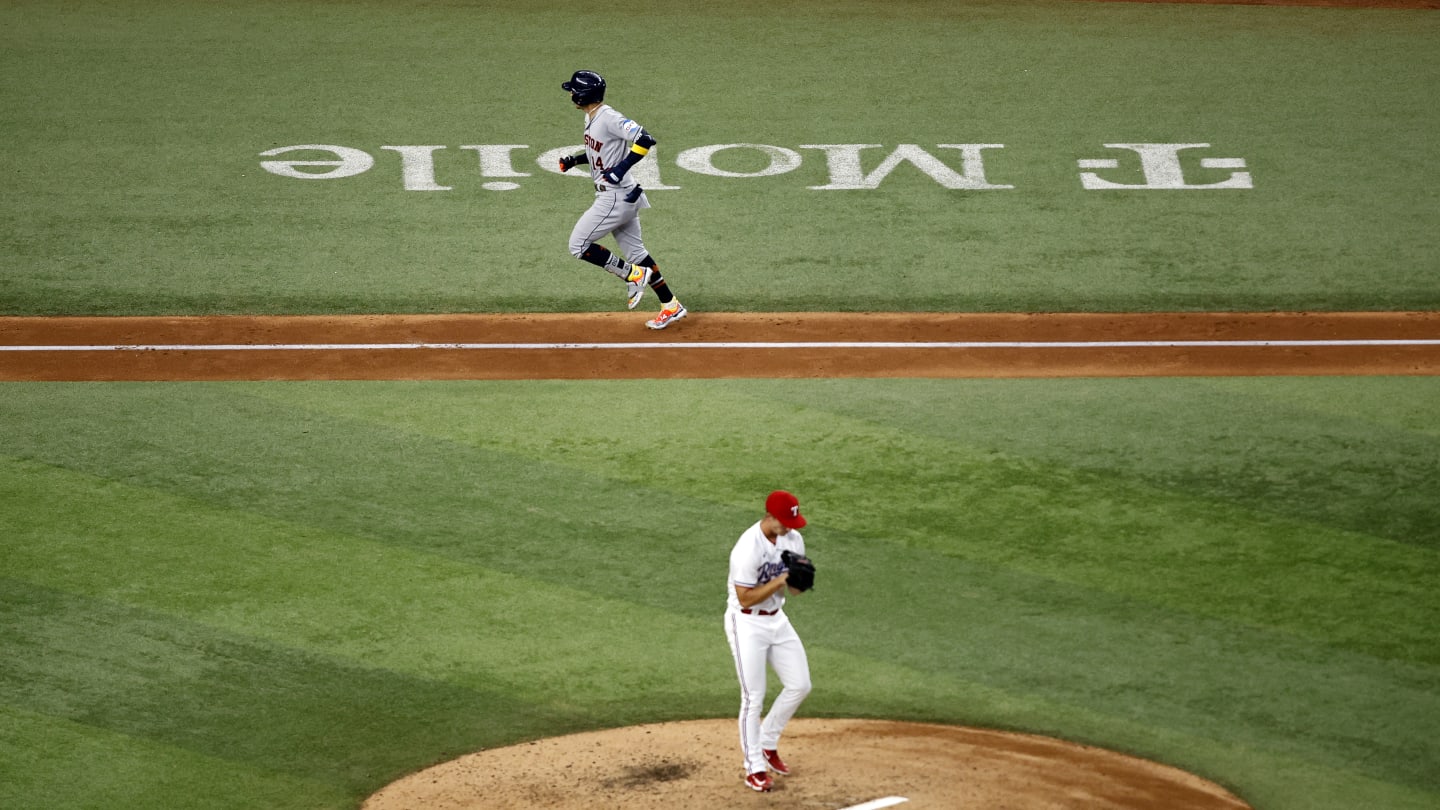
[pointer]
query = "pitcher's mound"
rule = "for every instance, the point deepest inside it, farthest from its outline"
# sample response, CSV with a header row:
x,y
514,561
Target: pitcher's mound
x,y
834,764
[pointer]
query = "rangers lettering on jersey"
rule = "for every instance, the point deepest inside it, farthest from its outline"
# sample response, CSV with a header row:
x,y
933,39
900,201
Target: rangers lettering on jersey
x,y
769,571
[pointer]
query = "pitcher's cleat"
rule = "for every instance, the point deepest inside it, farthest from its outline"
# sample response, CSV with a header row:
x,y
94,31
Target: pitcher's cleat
x,y
760,782
776,763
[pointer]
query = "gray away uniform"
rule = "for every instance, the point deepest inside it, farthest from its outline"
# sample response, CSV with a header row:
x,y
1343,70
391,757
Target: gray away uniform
x,y
614,143
608,138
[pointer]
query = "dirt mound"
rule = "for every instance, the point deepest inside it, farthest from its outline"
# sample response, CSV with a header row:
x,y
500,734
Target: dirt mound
x,y
834,764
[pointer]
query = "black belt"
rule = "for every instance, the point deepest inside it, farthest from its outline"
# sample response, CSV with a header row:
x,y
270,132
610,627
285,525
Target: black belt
x,y
760,612
599,187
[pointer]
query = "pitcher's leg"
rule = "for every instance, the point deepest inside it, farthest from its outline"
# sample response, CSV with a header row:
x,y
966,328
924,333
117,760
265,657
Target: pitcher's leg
x,y
748,648
787,658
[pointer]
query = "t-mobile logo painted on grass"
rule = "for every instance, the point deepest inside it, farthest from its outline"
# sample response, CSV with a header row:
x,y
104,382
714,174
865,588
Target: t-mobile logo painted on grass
x,y
1160,166
1155,165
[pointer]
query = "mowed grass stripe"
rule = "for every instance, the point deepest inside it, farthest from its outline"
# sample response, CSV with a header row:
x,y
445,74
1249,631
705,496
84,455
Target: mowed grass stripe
x,y
1129,656
1346,454
414,613
1159,504
1060,646
51,761
619,552
160,677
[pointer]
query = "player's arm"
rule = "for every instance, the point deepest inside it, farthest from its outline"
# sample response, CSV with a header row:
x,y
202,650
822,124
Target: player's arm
x,y
571,161
638,150
750,597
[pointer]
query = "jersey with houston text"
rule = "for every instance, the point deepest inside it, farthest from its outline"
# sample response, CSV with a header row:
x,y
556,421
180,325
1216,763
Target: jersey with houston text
x,y
608,137
755,561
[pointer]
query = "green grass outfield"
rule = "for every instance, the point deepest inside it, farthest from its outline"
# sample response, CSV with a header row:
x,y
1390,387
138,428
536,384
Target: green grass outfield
x,y
133,130
287,594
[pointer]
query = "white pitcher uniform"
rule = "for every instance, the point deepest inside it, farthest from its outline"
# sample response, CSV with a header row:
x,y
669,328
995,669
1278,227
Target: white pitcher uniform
x,y
762,634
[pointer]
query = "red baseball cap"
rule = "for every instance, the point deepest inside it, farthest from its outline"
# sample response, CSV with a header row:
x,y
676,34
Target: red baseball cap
x,y
785,508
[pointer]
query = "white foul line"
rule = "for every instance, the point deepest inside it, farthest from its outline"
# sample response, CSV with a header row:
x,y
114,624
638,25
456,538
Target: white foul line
x,y
889,801
1007,344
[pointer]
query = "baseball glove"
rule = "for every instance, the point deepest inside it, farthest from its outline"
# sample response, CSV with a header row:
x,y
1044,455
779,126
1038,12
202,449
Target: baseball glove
x,y
802,571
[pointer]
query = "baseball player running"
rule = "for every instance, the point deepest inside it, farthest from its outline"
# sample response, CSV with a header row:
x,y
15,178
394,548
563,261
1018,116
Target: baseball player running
x,y
767,562
614,143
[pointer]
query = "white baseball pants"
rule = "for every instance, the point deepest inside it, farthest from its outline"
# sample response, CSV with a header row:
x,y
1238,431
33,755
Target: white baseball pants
x,y
755,641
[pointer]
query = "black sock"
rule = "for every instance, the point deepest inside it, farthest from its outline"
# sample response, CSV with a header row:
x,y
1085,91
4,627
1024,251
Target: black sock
x,y
598,255
657,281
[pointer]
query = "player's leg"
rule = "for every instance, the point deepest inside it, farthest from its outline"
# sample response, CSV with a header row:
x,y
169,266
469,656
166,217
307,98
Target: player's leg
x,y
748,639
628,237
671,310
643,272
602,217
787,658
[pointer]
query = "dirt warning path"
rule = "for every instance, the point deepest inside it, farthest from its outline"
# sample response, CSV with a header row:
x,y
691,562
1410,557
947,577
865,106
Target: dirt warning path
x,y
718,345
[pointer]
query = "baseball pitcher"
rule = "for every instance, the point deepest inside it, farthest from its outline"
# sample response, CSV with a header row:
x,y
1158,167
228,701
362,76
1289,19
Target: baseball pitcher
x,y
767,562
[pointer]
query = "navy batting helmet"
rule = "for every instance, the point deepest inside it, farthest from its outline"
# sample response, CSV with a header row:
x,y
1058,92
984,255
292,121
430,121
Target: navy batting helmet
x,y
585,87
